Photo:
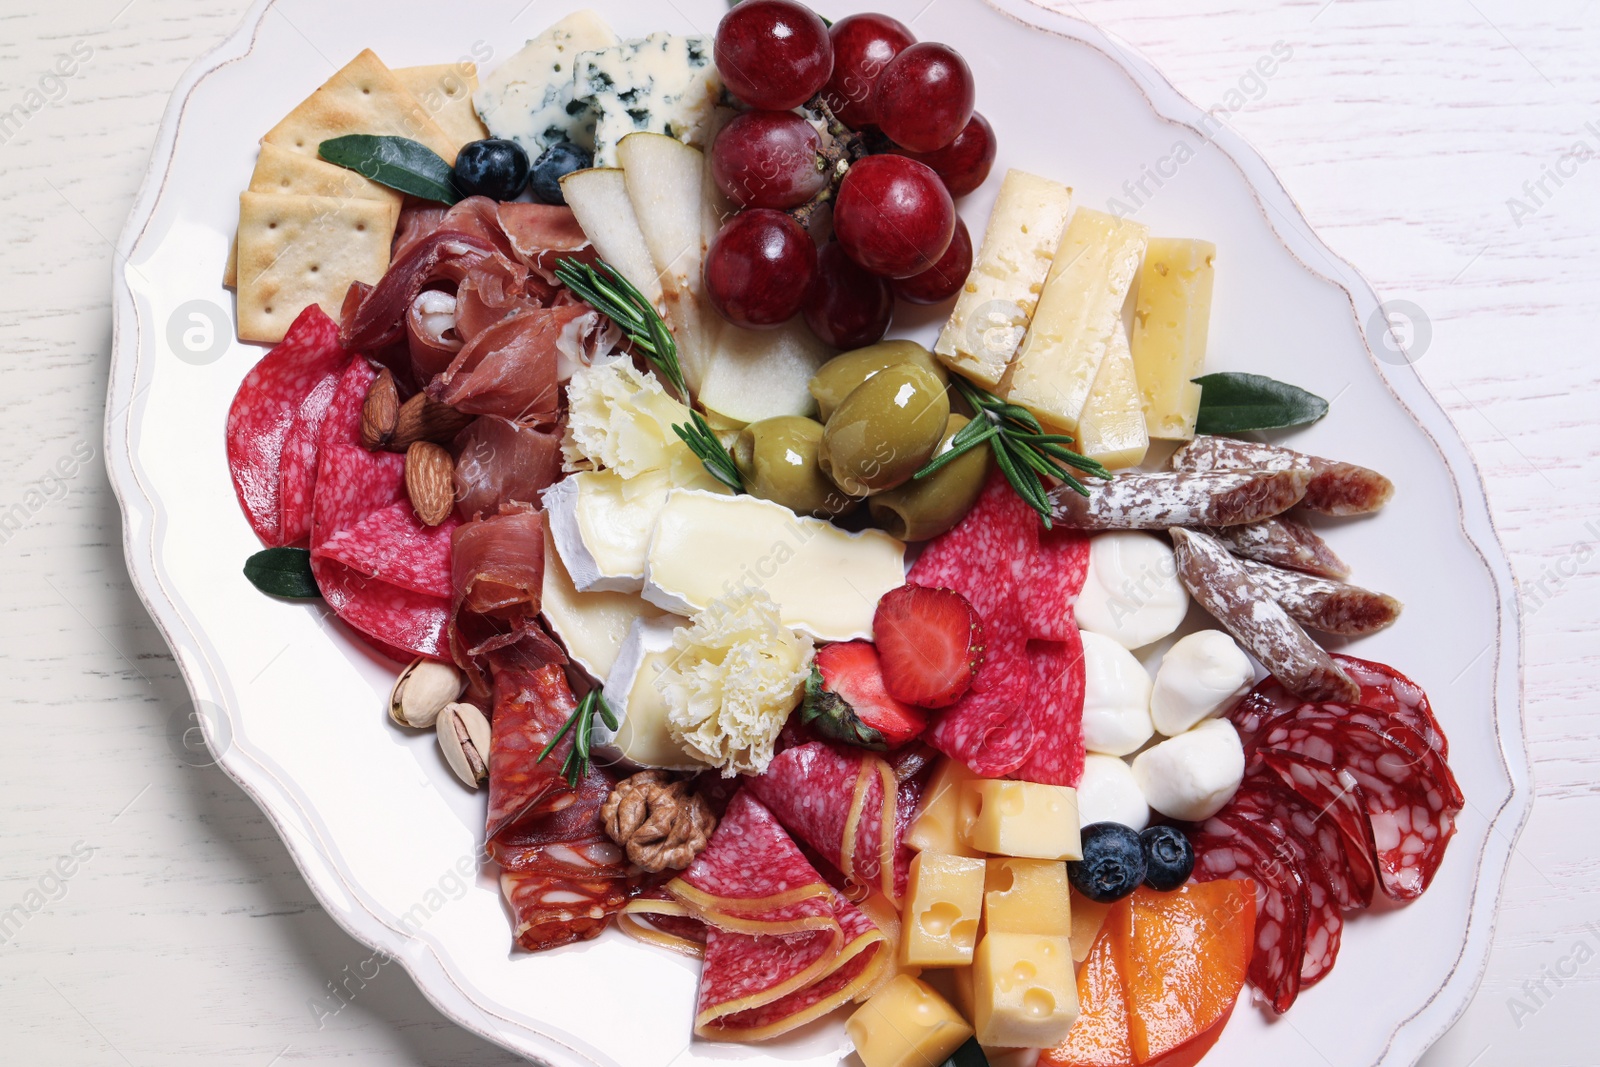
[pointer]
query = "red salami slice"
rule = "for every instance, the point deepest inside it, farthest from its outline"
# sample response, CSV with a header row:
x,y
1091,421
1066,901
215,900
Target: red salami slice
x,y
264,409
1339,803
529,707
1060,568
392,545
1382,688
1228,848
298,469
1410,809
1056,691
1265,795
1284,820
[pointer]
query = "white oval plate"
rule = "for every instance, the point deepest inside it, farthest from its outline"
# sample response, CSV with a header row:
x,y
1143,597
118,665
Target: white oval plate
x,y
292,706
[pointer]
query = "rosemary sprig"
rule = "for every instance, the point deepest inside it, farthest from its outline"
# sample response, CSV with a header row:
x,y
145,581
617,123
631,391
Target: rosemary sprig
x,y
576,765
1024,452
620,301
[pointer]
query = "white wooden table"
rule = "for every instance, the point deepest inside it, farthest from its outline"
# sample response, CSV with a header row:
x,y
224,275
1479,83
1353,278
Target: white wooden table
x,y
1449,149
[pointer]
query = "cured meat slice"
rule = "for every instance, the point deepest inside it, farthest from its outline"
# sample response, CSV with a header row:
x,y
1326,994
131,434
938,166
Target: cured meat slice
x,y
1056,689
1322,604
1284,542
392,545
1285,821
529,707
297,478
655,918
1337,804
1162,499
509,368
502,462
1219,583
1229,848
1410,806
845,806
497,572
1387,690
264,410
1265,795
1061,566
1335,488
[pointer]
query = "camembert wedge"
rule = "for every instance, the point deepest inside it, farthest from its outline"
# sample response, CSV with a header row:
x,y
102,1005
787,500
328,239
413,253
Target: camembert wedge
x,y
1079,312
1170,323
994,309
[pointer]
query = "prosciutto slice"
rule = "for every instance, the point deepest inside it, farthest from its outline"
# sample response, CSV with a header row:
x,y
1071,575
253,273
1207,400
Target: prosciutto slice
x,y
501,462
509,368
497,574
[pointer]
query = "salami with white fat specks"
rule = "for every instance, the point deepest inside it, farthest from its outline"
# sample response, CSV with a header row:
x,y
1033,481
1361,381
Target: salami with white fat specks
x,y
392,545
1056,692
1284,542
1230,848
1337,802
297,480
1383,689
1060,568
1335,488
265,410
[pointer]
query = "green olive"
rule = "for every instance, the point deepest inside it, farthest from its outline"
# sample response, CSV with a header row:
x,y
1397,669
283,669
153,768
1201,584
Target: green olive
x,y
884,430
838,378
925,508
777,458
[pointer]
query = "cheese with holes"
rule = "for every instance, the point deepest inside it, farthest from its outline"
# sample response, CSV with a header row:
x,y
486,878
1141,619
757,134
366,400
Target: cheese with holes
x,y
1079,312
530,98
1026,897
591,626
636,693
1024,819
906,1024
1170,324
1111,428
992,314
825,582
939,923
938,825
1024,991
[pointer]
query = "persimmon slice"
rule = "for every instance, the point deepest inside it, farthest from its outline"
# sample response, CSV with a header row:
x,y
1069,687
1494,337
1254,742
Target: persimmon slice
x,y
1100,1036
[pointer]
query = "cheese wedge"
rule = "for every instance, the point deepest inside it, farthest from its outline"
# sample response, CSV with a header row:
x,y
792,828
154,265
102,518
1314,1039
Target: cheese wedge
x,y
1079,312
601,525
1170,323
992,314
632,689
592,626
1112,428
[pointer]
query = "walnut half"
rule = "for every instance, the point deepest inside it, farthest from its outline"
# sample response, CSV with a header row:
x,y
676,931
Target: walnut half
x,y
657,821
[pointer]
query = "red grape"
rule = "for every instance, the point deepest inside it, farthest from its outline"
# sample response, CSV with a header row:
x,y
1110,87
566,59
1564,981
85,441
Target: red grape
x,y
862,47
773,54
759,268
768,159
945,278
848,305
964,163
893,215
925,96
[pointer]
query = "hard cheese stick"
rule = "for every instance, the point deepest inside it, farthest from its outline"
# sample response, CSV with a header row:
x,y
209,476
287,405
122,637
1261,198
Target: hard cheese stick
x,y
1332,607
1155,501
1170,324
1336,488
1285,543
1223,587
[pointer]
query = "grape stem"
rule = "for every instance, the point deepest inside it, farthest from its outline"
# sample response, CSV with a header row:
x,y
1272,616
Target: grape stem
x,y
845,147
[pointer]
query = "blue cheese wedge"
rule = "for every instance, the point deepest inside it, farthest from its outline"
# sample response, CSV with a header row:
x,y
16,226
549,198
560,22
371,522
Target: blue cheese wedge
x,y
663,83
531,97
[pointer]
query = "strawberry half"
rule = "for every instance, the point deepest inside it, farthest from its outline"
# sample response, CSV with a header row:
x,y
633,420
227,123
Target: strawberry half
x,y
846,700
930,642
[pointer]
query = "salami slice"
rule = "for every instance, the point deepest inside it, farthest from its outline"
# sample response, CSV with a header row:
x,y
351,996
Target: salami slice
x,y
529,707
1056,690
1229,848
298,469
1060,568
1335,488
1139,500
1322,604
1387,690
1339,804
1284,542
392,545
265,408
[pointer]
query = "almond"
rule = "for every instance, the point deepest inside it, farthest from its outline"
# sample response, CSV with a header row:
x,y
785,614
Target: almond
x,y
430,481
380,412
424,419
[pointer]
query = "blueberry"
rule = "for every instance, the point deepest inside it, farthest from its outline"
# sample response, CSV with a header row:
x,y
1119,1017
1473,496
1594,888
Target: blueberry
x,y
555,163
494,168
1112,864
1168,858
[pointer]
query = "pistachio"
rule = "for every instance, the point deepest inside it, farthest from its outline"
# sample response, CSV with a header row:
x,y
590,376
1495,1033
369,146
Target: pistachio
x,y
464,739
422,691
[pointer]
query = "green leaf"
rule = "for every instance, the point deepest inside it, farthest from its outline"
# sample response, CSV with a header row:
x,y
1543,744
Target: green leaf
x,y
284,572
398,162
832,716
970,1054
1232,403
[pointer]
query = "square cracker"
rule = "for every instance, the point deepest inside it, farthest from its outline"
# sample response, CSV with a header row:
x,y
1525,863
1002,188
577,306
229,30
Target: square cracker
x,y
364,97
295,251
445,93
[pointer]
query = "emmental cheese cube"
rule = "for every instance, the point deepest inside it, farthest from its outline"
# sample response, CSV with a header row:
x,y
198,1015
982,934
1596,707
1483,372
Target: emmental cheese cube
x,y
1079,312
1023,819
1024,991
1170,323
994,309
1026,897
937,826
906,1024
939,924
1112,428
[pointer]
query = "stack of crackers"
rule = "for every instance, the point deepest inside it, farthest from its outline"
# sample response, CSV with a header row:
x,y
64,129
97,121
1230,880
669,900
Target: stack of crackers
x,y
308,228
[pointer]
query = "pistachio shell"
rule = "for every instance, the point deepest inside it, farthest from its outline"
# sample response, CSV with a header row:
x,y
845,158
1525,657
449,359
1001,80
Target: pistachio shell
x,y
422,691
464,740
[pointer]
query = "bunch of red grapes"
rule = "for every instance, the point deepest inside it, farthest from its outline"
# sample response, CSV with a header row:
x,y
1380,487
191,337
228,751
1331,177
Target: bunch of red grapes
x,y
895,229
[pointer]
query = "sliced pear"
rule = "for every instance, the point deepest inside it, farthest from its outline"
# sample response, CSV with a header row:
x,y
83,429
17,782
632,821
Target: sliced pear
x,y
598,196
760,374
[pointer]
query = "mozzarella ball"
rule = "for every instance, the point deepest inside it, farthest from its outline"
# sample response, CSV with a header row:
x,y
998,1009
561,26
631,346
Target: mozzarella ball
x,y
1116,698
1193,775
1108,793
1199,676
1132,594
